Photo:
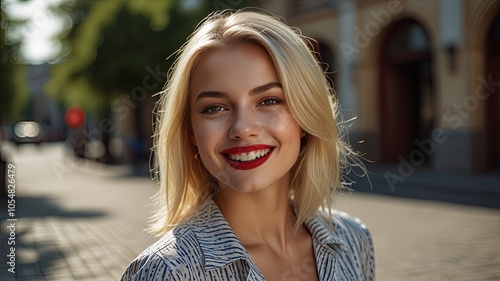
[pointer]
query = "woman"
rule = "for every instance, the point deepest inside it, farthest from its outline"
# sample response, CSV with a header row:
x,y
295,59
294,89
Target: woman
x,y
249,161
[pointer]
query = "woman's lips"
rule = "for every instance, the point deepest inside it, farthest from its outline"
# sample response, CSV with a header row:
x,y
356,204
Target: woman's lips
x,y
237,157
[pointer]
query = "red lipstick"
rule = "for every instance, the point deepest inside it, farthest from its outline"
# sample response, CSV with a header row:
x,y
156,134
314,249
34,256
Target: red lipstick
x,y
246,165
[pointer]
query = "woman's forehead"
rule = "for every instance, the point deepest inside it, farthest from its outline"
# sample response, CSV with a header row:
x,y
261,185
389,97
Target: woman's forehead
x,y
236,67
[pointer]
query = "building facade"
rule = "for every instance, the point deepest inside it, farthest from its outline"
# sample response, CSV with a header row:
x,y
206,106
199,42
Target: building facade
x,y
421,77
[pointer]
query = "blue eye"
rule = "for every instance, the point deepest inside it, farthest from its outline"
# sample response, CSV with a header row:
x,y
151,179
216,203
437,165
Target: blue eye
x,y
213,109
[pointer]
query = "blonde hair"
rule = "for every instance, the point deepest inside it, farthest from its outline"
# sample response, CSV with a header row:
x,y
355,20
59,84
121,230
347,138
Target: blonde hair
x,y
184,182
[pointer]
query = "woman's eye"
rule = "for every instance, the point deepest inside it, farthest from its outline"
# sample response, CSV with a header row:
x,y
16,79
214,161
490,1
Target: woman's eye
x,y
213,109
271,101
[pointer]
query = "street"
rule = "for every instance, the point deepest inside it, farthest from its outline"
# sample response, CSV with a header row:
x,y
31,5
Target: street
x,y
86,221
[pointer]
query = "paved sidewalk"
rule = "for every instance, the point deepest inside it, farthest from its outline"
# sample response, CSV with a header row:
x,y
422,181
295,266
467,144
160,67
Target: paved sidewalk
x,y
86,223
431,241
75,221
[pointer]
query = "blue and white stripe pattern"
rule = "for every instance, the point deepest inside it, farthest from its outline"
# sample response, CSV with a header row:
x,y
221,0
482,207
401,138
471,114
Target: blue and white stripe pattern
x,y
205,248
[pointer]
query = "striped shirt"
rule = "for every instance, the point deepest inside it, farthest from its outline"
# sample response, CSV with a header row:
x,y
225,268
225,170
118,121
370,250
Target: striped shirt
x,y
205,248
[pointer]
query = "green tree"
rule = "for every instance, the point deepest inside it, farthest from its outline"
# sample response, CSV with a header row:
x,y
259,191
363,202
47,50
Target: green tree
x,y
13,88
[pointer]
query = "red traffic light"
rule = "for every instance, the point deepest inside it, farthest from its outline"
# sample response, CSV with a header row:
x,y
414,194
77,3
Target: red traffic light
x,y
74,117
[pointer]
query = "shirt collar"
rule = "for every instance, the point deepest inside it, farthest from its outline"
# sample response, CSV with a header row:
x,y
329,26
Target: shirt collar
x,y
220,246
217,240
324,229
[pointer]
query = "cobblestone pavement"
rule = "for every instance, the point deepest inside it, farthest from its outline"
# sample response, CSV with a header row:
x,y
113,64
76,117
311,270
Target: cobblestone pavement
x,y
86,223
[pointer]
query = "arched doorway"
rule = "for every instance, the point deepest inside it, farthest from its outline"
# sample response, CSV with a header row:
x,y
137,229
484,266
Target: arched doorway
x,y
493,100
406,99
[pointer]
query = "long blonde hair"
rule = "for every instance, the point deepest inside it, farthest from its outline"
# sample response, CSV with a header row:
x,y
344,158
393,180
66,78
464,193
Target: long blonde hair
x,y
184,182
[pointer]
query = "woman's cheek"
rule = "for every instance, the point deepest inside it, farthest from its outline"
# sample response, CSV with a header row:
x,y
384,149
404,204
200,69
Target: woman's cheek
x,y
208,132
281,121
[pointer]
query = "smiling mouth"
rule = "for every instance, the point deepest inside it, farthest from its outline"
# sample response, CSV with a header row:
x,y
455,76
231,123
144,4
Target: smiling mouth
x,y
247,158
250,156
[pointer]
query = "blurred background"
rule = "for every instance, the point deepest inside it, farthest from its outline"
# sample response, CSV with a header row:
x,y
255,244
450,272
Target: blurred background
x,y
419,86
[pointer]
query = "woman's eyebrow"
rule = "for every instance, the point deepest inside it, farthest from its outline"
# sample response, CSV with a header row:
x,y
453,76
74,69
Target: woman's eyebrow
x,y
265,87
254,91
211,94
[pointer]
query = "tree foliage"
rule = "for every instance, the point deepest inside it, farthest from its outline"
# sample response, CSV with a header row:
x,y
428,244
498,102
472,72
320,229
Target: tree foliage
x,y
13,88
114,43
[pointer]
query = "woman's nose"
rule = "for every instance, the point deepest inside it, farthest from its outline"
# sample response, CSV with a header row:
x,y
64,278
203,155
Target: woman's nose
x,y
244,125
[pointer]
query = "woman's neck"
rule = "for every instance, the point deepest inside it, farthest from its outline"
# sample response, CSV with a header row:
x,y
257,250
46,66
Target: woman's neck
x,y
263,218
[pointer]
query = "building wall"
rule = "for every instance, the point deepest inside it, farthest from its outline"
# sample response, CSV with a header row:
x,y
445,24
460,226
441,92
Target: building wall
x,y
355,32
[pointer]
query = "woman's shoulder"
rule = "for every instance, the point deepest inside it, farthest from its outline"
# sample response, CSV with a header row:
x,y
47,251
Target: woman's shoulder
x,y
166,258
348,222
340,229
345,228
340,219
184,251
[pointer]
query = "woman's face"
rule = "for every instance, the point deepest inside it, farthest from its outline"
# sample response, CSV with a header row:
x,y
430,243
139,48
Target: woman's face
x,y
245,134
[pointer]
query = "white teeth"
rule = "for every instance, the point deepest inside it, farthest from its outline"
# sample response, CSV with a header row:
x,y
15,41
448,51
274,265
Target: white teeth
x,y
244,157
250,156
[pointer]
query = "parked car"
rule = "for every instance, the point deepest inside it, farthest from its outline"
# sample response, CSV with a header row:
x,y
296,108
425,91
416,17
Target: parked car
x,y
28,132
